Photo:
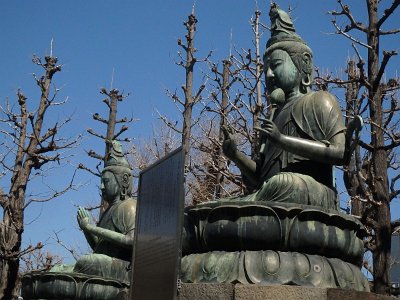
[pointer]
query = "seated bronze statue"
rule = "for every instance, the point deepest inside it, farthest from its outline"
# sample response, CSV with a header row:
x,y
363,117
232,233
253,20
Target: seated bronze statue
x,y
290,231
306,135
105,272
112,239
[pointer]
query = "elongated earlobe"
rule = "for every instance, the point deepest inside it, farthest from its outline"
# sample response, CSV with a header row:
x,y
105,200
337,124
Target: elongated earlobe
x,y
306,80
123,193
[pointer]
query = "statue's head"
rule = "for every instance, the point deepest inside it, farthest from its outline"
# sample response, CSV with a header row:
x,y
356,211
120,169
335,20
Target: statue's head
x,y
116,177
287,60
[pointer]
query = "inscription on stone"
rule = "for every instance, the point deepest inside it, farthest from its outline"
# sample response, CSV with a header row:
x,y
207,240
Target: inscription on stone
x,y
156,258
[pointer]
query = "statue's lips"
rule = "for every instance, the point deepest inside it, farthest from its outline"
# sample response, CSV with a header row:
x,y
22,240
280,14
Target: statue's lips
x,y
274,88
271,86
104,196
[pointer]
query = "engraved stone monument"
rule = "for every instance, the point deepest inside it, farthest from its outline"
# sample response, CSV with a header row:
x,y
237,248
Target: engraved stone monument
x,y
157,253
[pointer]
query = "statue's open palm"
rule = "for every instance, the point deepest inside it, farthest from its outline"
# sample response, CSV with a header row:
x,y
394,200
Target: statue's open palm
x,y
83,218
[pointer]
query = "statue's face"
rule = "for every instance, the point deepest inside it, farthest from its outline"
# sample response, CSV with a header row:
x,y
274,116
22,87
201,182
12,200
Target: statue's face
x,y
281,72
109,186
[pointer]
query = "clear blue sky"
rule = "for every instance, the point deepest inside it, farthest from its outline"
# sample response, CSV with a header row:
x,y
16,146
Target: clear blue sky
x,y
136,39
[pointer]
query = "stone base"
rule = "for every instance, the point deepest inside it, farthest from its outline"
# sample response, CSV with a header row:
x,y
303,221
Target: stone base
x,y
207,291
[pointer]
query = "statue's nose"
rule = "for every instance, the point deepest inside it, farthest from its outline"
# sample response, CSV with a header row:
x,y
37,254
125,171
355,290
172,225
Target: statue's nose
x,y
270,74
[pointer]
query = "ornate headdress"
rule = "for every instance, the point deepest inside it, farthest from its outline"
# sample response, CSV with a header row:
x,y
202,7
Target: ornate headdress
x,y
284,37
282,28
117,164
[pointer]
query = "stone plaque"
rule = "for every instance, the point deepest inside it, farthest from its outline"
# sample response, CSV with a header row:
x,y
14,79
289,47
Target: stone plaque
x,y
159,221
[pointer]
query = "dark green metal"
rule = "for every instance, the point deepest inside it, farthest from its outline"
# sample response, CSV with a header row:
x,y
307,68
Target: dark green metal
x,y
290,230
105,273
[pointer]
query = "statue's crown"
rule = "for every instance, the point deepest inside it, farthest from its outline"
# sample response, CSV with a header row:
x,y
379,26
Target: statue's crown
x,y
116,156
282,28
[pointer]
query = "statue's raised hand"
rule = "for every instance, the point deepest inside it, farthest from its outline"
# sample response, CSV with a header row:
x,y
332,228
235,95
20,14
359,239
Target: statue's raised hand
x,y
269,128
83,218
229,144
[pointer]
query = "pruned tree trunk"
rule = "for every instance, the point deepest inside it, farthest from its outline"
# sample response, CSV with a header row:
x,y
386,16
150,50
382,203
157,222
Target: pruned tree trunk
x,y
112,98
259,106
191,97
34,148
367,179
188,87
379,158
223,122
351,176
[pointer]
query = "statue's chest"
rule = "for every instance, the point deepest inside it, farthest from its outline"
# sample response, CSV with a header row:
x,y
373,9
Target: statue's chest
x,y
106,220
276,159
284,119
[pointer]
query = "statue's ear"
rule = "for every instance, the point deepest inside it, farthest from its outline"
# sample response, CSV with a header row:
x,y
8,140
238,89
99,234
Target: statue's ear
x,y
307,70
307,59
125,180
308,67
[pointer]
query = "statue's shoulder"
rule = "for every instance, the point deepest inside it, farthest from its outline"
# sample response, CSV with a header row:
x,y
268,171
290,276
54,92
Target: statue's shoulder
x,y
318,115
126,209
321,99
128,205
320,103
125,214
130,201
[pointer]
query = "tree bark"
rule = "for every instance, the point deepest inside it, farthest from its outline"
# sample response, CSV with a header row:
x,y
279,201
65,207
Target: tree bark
x,y
223,122
258,107
378,172
31,151
188,88
114,96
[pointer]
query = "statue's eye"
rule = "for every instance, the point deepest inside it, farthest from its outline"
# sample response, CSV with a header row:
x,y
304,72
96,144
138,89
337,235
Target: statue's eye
x,y
275,63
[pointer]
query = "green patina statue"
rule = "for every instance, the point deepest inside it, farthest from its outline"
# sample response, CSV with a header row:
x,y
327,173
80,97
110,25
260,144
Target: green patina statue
x,y
306,136
105,272
290,231
112,239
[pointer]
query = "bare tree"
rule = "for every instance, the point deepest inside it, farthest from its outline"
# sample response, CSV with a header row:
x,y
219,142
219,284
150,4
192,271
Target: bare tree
x,y
249,63
190,98
27,146
238,98
369,178
143,153
224,111
113,97
39,261
226,84
220,96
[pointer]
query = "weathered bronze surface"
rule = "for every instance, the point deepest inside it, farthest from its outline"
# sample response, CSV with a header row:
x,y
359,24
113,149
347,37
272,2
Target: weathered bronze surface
x,y
105,273
52,285
272,267
237,226
290,231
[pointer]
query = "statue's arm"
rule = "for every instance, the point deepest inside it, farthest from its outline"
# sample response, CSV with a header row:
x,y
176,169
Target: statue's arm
x,y
331,152
246,165
119,239
93,233
91,239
